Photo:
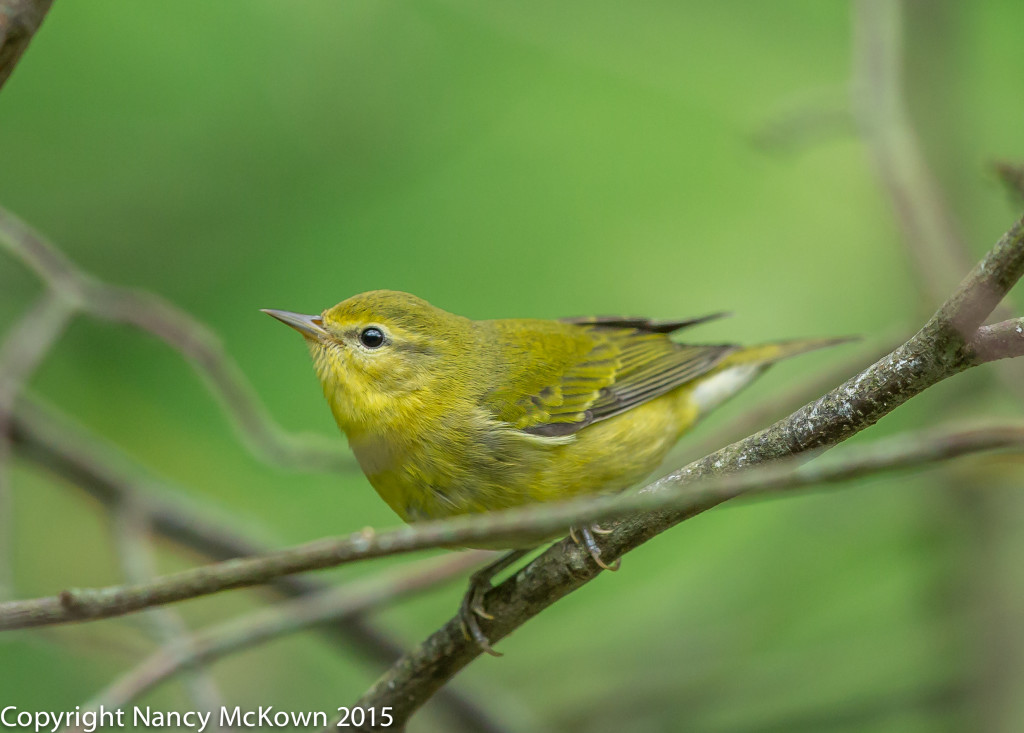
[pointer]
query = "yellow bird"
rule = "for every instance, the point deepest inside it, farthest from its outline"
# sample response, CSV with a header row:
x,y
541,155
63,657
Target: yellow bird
x,y
449,416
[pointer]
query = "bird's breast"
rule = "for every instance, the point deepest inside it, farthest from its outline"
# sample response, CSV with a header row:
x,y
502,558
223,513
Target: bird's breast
x,y
455,468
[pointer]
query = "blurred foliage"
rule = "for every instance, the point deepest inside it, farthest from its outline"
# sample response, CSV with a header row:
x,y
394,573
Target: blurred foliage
x,y
528,159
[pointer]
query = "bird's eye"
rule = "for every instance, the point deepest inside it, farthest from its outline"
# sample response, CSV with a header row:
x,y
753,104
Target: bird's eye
x,y
371,338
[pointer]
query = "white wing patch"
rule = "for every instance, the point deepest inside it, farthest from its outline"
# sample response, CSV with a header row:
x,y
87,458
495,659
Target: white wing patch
x,y
712,391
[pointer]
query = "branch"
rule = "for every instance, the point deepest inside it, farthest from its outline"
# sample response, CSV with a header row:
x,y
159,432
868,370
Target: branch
x,y
752,419
930,235
22,350
939,255
28,342
942,348
1000,340
266,624
19,21
164,625
196,343
816,117
1011,175
95,467
508,526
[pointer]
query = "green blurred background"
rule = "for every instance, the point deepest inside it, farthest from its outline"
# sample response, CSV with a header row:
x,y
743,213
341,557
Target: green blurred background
x,y
526,159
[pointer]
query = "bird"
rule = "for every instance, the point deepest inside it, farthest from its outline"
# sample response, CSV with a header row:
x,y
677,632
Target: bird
x,y
451,416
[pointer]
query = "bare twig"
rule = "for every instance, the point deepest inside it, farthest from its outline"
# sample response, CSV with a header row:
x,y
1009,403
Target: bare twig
x,y
942,348
938,253
28,342
812,119
1011,174
1000,340
19,20
21,352
165,626
509,526
260,626
752,419
930,237
87,462
189,337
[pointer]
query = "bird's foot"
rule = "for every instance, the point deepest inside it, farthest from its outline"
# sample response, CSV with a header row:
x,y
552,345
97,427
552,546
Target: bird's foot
x,y
584,537
472,607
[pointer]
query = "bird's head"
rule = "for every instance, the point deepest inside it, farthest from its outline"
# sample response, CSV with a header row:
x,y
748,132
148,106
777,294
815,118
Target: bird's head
x,y
383,357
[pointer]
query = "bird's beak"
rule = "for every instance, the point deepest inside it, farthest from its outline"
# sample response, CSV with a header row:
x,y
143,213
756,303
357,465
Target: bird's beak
x,y
309,326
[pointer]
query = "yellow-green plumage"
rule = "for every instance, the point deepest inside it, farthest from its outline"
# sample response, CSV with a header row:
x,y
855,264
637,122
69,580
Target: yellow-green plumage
x,y
450,416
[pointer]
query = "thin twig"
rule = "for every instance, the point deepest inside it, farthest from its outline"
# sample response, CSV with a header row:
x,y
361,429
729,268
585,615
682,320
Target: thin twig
x,y
29,341
942,348
19,21
191,338
1011,175
23,349
930,233
1000,340
55,444
930,237
814,118
939,254
165,625
773,408
265,624
508,526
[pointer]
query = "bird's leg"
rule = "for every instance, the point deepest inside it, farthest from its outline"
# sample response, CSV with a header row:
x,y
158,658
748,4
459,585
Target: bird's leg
x,y
585,539
473,602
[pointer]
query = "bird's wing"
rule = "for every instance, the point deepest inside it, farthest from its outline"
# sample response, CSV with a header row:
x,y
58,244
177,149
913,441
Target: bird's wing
x,y
568,376
642,324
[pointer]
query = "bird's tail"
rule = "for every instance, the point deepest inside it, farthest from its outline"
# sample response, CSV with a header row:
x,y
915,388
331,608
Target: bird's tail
x,y
742,366
766,354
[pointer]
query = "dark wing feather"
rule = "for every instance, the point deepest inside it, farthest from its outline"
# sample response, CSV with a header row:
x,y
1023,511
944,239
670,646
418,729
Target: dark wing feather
x,y
623,369
642,324
654,379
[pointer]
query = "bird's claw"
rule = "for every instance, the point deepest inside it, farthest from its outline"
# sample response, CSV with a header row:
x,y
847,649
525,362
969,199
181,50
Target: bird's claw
x,y
472,606
477,607
587,542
